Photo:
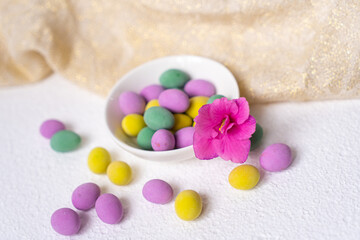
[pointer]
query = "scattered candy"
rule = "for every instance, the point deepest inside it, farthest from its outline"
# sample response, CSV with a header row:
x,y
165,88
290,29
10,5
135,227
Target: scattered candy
x,y
163,140
85,195
132,124
98,160
152,134
144,138
157,191
199,87
65,141
109,208
174,100
174,78
65,221
119,173
256,137
181,121
50,127
214,97
184,137
195,104
151,92
159,118
152,103
188,205
131,102
244,177
276,157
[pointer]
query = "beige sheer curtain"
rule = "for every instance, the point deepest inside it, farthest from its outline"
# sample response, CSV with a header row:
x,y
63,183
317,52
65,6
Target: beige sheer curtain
x,y
278,50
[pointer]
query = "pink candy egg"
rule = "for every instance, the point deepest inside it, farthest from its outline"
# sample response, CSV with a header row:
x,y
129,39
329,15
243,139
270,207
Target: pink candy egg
x,y
131,102
65,221
163,140
109,208
152,91
50,127
184,137
157,191
199,87
85,196
276,157
174,100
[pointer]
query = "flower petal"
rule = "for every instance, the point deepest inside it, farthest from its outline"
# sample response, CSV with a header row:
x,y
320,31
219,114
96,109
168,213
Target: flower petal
x,y
235,151
203,147
204,123
222,107
242,131
243,111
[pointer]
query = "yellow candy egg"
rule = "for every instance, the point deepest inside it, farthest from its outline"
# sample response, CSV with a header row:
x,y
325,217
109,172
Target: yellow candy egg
x,y
181,121
132,124
195,104
152,103
98,160
119,173
244,177
188,205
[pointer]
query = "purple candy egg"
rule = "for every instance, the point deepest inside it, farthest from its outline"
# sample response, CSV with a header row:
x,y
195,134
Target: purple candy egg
x,y
276,157
199,87
184,137
50,127
163,140
109,208
65,221
157,191
152,91
175,100
85,196
131,102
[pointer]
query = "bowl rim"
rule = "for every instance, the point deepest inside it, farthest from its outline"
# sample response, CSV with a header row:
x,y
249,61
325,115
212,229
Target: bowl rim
x,y
154,154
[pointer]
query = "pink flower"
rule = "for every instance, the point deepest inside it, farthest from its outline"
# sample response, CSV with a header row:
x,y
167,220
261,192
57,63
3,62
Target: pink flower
x,y
223,129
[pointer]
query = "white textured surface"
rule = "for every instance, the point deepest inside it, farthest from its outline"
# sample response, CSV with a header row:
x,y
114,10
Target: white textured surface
x,y
316,198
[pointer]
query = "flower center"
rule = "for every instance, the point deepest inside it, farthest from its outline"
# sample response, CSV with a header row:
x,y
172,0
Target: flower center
x,y
225,125
222,125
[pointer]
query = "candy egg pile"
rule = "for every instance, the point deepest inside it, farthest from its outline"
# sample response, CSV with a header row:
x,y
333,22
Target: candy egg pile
x,y
188,203
61,140
161,116
99,162
108,207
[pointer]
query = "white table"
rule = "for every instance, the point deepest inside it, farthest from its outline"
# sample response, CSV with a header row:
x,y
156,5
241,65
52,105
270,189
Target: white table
x,y
316,198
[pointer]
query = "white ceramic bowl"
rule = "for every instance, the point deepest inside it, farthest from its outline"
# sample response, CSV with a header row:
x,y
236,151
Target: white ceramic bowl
x,y
149,73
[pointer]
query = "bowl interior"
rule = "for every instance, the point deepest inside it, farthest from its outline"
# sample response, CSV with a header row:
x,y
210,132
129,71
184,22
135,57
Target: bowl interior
x,y
149,73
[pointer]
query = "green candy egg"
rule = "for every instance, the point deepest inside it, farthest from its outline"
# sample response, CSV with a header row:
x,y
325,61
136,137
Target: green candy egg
x,y
213,97
174,78
256,137
159,118
144,138
65,141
